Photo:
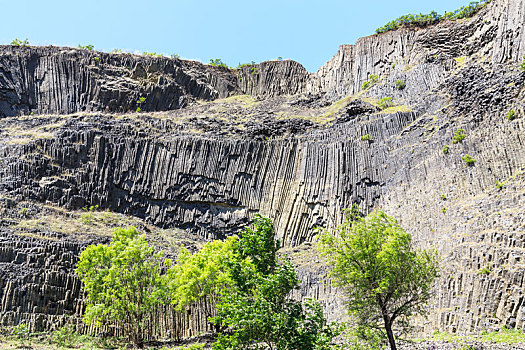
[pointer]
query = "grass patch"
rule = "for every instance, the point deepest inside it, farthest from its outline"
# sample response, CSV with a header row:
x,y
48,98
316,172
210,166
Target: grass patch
x,y
504,336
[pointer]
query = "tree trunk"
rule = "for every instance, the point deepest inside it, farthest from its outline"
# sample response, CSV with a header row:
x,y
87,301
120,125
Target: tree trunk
x,y
390,334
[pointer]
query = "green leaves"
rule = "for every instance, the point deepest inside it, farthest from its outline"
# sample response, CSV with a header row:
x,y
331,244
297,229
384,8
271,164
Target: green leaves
x,y
384,277
122,281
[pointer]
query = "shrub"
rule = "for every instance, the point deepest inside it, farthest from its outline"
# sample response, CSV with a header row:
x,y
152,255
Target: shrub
x,y
511,115
468,160
385,103
444,210
500,185
175,56
366,137
218,63
86,47
65,336
116,51
371,81
459,136
139,102
96,58
445,149
422,20
443,197
18,42
522,65
485,270
400,84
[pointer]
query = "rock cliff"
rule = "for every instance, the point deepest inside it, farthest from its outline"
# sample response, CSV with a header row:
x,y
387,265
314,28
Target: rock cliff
x,y
214,146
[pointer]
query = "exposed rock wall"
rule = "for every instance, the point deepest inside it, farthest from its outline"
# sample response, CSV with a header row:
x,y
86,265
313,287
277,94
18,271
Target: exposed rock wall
x,y
458,75
45,80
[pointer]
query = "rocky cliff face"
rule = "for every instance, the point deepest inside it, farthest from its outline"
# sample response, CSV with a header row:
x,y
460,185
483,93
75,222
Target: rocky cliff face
x,y
294,150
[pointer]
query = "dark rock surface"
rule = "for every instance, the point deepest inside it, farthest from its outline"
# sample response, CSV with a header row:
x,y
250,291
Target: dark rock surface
x,y
291,150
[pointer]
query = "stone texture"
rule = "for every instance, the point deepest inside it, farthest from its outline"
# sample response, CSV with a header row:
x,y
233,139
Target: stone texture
x,y
208,167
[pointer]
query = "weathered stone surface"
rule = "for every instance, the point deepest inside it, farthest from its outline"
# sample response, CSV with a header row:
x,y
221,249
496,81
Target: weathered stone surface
x,y
65,80
208,167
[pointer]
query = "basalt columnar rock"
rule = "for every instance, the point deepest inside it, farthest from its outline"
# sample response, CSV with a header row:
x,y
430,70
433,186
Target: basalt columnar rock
x,y
214,146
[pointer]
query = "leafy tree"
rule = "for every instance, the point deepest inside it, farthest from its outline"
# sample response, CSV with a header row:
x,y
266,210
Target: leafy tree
x,y
204,274
257,307
122,281
384,277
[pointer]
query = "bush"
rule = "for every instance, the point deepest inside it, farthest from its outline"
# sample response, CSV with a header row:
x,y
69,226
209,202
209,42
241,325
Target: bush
x,y
366,137
468,160
371,81
423,20
86,47
511,115
400,84
445,149
18,42
139,102
218,63
385,103
459,136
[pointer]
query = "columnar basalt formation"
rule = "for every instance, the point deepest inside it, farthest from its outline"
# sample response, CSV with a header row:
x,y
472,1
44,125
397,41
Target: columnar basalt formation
x,y
299,149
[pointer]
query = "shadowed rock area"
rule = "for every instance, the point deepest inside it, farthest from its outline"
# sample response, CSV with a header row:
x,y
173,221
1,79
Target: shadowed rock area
x,y
213,146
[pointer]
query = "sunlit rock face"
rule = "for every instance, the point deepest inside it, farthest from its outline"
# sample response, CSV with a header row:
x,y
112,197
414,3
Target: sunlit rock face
x,y
213,146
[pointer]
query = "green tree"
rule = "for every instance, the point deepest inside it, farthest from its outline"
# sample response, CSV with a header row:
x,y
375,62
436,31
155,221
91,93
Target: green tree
x,y
257,307
203,274
384,277
123,283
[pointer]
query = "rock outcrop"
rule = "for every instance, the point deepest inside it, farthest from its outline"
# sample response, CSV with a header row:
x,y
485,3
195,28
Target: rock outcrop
x,y
301,148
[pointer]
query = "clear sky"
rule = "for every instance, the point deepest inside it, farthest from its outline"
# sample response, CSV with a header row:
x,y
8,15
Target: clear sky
x,y
308,31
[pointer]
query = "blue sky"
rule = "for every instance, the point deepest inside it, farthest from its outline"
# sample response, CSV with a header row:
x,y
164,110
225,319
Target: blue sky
x,y
309,32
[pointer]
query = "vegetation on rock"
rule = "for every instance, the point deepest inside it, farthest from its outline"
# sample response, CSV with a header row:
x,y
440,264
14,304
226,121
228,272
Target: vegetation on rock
x,y
423,20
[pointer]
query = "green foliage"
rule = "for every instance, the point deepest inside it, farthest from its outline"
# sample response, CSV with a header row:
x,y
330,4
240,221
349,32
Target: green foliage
x,y
522,65
96,58
175,56
122,282
218,63
371,81
445,149
88,217
423,20
384,277
485,270
444,210
257,308
443,197
511,115
116,51
21,331
366,137
468,160
204,274
18,42
279,58
139,102
145,53
500,185
65,336
459,136
385,103
400,84
86,47
254,70
24,212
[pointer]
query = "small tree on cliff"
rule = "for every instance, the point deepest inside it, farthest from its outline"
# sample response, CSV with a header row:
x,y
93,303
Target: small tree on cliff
x,y
384,277
122,282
